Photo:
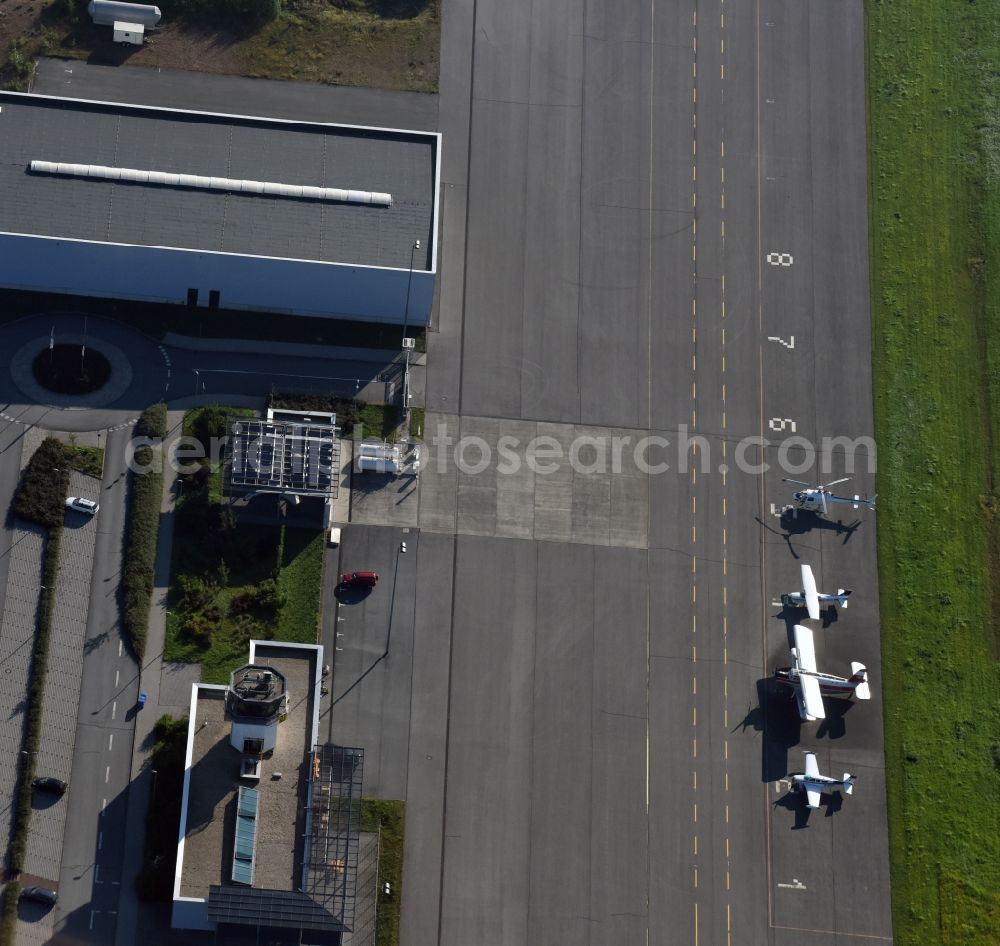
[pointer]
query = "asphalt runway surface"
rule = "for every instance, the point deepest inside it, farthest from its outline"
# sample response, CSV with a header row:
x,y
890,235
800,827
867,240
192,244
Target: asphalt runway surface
x,y
666,230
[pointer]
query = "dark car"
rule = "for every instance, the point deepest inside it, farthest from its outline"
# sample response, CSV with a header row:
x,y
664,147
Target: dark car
x,y
48,783
39,895
359,580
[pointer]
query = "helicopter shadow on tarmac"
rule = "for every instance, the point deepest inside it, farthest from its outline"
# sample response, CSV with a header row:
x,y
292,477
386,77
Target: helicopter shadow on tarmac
x,y
797,522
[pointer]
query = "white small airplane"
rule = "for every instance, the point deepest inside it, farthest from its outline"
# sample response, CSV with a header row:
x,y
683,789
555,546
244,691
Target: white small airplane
x,y
817,498
810,684
814,784
810,598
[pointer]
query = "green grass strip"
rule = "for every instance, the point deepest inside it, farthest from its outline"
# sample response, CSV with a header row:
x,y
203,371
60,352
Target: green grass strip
x,y
933,68
389,817
301,580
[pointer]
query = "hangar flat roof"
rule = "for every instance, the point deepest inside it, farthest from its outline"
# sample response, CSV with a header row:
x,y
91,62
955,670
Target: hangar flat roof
x,y
401,163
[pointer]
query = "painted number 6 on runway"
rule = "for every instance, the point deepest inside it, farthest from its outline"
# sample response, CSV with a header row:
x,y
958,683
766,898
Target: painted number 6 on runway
x,y
779,259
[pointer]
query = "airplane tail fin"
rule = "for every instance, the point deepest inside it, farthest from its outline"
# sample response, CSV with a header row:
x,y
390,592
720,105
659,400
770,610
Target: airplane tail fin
x,y
848,783
859,677
842,595
870,503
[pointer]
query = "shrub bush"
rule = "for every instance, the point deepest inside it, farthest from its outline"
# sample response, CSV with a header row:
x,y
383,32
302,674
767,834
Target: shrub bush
x,y
194,592
41,494
264,599
199,628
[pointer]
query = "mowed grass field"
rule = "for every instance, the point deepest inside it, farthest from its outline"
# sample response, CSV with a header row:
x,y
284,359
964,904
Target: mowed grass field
x,y
934,95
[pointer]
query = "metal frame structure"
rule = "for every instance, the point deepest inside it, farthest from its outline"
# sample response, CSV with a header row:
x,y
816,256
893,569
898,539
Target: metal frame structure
x,y
333,827
284,457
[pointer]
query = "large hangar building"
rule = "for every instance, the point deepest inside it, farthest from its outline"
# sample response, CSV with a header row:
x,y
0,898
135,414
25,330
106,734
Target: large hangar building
x,y
215,210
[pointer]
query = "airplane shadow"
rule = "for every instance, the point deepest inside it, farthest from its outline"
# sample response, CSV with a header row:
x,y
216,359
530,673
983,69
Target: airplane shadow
x,y
794,801
834,727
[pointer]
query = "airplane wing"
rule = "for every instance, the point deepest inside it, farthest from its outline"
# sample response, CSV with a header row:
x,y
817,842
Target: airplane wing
x,y
803,638
812,767
812,699
812,797
810,593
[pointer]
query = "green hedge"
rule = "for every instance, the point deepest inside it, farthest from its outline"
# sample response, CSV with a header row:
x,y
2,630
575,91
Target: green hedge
x,y
8,913
33,717
41,494
143,529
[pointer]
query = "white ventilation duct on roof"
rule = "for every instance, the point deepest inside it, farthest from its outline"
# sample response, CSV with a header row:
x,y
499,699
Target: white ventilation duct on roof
x,y
270,188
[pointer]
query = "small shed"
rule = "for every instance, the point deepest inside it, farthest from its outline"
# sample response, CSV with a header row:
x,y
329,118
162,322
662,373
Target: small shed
x,y
130,33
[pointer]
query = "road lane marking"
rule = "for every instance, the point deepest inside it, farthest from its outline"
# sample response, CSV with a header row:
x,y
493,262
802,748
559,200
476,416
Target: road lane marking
x,y
107,774
114,709
92,912
119,648
111,740
100,840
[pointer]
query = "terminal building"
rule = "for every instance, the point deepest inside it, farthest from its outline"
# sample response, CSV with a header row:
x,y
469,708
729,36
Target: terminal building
x,y
216,210
269,838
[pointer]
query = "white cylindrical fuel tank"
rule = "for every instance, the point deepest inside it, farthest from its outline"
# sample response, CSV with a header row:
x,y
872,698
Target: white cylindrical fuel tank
x,y
106,12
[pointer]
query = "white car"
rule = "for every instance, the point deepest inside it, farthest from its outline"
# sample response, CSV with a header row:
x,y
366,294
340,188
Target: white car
x,y
82,505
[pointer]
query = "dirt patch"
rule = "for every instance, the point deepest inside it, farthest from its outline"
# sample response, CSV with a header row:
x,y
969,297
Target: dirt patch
x,y
311,40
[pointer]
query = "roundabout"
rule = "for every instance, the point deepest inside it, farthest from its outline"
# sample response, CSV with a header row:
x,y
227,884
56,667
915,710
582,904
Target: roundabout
x,y
77,372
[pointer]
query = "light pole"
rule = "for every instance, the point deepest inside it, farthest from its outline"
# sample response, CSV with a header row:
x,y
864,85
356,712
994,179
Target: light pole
x,y
406,348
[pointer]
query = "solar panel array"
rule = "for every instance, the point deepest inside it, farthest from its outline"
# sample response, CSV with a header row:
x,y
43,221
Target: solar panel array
x,y
246,835
269,456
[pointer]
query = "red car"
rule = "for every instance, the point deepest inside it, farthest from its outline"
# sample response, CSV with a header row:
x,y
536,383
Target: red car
x,y
359,580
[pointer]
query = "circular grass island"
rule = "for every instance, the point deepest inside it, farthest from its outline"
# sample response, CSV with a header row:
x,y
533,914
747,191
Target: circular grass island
x,y
71,369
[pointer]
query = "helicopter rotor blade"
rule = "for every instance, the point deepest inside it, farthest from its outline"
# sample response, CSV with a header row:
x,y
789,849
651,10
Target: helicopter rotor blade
x,y
785,479
835,482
